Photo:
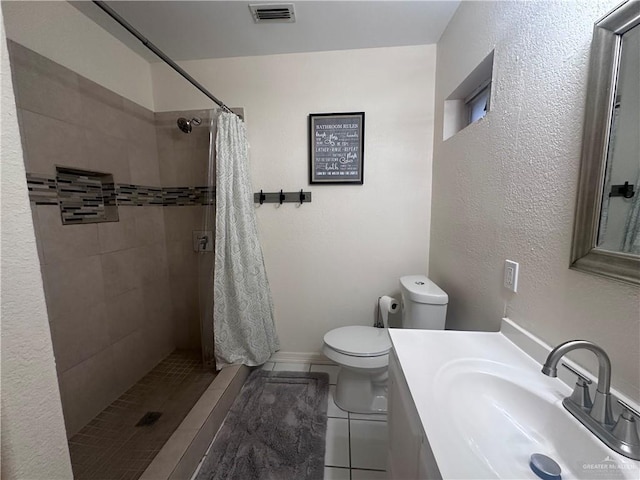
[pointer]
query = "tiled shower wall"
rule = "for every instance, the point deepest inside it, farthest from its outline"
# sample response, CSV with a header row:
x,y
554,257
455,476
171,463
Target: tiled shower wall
x,y
120,295
183,160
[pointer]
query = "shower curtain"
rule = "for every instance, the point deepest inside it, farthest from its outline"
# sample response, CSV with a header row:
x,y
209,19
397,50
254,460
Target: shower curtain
x,y
604,209
243,324
631,242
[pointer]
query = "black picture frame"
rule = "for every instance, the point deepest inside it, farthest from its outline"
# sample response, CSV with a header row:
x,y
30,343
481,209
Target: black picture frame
x,y
336,148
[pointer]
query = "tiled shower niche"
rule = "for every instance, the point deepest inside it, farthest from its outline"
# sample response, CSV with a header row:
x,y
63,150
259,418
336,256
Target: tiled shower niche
x,y
86,197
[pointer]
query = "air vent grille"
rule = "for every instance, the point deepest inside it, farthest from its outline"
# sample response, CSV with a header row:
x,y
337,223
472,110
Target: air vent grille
x,y
273,12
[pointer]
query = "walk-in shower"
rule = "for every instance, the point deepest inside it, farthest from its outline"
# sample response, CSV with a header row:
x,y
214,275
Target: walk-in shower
x,y
126,326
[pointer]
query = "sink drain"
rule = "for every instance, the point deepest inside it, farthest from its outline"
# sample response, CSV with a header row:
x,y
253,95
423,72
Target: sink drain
x,y
545,467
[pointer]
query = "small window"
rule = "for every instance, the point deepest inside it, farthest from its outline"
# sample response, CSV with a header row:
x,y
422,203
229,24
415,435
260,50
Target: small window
x,y
470,101
478,103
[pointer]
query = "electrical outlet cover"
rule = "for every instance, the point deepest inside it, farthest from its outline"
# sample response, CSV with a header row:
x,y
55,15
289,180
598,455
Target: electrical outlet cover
x,y
511,275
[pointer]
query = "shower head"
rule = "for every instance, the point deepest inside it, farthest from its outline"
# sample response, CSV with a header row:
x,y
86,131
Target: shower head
x,y
187,125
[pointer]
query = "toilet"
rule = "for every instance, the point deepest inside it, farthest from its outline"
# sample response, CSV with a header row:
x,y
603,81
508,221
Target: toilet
x,y
363,352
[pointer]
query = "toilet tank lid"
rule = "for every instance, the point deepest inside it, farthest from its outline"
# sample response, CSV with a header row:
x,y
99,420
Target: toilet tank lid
x,y
422,290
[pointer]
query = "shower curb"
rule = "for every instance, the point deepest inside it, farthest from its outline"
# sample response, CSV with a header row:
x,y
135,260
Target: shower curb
x,y
179,457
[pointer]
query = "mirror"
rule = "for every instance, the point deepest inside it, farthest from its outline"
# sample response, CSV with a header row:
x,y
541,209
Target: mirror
x,y
606,238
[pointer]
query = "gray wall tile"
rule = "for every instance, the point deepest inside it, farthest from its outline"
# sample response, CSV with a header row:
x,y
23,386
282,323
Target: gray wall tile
x,y
87,389
103,96
43,86
120,271
159,322
78,281
183,261
50,142
184,295
120,235
150,224
126,314
107,154
36,227
128,360
78,333
61,243
143,165
151,262
138,111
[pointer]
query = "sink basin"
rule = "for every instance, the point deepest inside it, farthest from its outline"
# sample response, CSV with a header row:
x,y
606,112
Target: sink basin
x,y
505,414
485,408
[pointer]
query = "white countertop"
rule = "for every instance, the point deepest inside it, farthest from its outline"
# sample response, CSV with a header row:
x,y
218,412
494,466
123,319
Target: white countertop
x,y
453,377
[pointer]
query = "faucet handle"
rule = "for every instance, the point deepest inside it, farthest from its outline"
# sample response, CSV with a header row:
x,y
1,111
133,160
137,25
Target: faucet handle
x,y
625,428
628,409
580,396
585,379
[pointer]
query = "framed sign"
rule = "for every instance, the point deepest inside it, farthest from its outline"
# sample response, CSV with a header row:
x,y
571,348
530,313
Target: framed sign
x,y
336,148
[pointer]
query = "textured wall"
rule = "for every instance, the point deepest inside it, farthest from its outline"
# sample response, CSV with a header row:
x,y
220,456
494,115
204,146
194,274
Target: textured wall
x,y
60,32
328,261
33,436
515,177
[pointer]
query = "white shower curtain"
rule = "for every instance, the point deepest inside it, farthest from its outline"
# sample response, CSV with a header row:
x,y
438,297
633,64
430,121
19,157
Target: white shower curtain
x,y
243,324
631,242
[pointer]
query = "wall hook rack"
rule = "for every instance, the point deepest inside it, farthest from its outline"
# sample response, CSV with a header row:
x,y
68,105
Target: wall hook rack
x,y
282,197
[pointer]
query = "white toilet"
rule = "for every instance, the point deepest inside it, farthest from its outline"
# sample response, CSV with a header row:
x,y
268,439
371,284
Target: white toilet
x,y
363,352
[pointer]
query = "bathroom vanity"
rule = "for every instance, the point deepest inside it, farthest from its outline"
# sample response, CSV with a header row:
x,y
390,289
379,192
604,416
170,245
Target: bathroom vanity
x,y
476,405
410,455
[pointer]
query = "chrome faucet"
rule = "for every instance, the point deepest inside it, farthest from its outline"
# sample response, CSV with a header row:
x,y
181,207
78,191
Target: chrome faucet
x,y
601,409
621,435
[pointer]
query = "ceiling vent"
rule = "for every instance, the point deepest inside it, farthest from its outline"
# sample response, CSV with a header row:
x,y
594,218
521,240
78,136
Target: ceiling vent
x,y
272,12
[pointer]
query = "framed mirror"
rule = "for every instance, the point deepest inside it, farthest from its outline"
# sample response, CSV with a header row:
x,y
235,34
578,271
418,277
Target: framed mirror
x,y
606,238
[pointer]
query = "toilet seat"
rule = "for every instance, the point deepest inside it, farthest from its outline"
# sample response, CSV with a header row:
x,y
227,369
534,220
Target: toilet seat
x,y
359,341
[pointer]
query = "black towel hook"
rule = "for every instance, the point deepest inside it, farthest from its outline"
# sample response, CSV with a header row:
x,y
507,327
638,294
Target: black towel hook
x,y
625,190
303,197
262,197
281,197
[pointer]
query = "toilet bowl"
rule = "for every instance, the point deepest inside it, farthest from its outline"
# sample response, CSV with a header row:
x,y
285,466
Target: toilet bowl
x,y
363,355
363,352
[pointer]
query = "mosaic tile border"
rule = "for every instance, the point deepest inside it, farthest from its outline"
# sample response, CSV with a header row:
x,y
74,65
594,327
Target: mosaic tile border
x,y
45,190
138,195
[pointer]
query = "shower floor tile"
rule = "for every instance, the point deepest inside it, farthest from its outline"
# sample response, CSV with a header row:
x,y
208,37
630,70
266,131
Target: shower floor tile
x,y
112,447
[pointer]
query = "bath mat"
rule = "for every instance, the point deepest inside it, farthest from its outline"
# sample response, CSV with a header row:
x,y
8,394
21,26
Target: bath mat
x,y
275,430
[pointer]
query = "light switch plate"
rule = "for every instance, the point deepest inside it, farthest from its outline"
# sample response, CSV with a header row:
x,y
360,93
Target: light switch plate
x,y
511,275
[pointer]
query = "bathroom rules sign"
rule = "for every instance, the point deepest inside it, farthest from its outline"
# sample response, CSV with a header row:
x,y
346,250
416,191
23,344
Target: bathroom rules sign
x,y
336,148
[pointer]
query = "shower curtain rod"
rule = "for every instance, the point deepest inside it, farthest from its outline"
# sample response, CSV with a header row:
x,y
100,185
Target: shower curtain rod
x,y
113,14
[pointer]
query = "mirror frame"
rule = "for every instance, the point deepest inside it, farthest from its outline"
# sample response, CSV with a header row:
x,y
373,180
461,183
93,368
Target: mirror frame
x,y
601,87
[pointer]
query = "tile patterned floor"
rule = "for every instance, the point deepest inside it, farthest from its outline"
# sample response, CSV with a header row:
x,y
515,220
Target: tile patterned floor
x,y
111,447
356,445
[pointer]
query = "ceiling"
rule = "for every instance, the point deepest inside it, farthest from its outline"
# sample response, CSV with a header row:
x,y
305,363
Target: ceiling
x,y
191,30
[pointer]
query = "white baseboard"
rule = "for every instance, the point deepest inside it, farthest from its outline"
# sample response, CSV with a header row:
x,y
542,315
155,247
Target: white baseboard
x,y
300,357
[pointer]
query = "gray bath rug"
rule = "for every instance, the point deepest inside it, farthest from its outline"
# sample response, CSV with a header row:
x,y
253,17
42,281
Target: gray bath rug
x,y
275,430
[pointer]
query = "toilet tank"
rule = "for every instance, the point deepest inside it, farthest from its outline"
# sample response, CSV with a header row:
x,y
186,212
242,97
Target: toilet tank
x,y
424,304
